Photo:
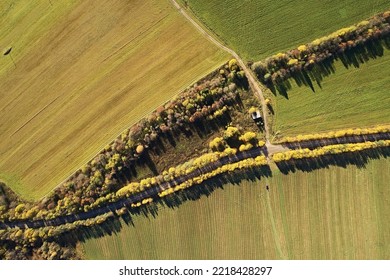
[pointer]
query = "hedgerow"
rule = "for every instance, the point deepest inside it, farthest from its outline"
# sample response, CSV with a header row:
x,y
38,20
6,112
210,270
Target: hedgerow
x,y
328,150
336,134
361,37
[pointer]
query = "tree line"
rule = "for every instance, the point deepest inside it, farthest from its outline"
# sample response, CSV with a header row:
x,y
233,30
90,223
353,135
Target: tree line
x,y
336,134
97,182
310,60
328,150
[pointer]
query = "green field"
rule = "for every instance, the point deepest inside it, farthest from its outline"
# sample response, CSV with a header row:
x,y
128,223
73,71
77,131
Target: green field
x,y
85,71
333,213
258,29
354,97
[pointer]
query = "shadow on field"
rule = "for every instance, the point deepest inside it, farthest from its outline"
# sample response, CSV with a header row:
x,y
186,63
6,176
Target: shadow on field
x,y
208,187
312,144
113,225
359,159
315,73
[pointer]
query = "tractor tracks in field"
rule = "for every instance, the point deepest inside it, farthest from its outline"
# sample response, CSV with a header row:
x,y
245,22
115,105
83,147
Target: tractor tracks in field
x,y
34,116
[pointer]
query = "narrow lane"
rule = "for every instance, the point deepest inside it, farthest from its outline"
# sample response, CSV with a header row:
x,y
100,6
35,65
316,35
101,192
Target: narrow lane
x,y
249,74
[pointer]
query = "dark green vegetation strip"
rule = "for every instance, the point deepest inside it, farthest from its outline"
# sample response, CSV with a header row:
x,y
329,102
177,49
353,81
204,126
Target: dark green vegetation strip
x,y
333,213
257,29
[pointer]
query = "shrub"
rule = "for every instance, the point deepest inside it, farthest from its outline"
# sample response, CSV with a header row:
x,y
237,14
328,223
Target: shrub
x,y
217,144
248,136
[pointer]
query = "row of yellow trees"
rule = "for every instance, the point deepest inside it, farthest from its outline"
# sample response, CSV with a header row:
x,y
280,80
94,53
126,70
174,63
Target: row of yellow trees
x,y
221,149
245,140
337,134
34,241
29,235
328,150
231,167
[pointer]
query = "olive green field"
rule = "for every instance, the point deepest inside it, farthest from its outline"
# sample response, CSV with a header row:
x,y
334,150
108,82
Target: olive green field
x,y
350,98
335,213
258,29
81,78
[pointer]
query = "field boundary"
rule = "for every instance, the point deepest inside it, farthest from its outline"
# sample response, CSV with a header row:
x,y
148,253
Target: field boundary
x,y
126,128
239,161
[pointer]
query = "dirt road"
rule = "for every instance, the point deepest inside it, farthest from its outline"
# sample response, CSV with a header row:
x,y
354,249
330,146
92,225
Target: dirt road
x,y
249,74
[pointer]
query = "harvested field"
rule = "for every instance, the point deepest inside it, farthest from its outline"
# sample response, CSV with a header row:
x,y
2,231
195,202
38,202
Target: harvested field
x,y
84,72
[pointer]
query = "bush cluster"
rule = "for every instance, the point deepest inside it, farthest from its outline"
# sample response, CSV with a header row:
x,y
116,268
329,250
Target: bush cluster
x,y
235,138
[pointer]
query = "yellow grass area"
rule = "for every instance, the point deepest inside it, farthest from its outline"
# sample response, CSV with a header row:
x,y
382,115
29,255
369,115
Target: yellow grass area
x,y
334,213
85,71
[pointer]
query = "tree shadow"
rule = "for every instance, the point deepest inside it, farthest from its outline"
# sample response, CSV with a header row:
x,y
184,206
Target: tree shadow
x,y
312,144
280,88
169,136
145,158
158,146
359,159
315,73
109,227
113,224
271,109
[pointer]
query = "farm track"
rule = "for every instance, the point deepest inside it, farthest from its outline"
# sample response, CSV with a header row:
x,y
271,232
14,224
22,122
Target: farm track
x,y
248,73
153,191
117,205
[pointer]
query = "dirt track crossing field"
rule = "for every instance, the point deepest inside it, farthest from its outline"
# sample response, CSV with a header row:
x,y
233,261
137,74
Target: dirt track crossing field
x,y
84,72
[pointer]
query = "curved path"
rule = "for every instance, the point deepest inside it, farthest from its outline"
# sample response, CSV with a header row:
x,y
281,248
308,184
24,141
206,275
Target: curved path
x,y
155,190
249,74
